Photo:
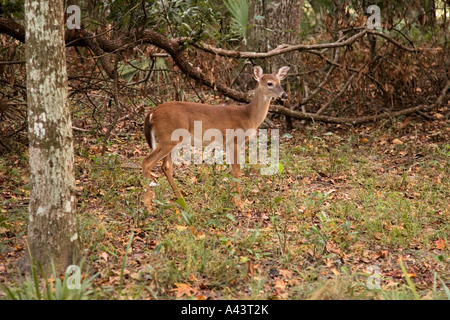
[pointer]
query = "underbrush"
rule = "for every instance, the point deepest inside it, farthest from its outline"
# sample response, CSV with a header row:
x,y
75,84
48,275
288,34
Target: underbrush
x,y
353,213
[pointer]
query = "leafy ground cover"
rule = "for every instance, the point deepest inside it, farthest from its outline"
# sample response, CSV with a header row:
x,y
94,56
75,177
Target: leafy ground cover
x,y
353,213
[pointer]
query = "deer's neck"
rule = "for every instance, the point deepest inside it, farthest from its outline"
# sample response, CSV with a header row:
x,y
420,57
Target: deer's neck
x,y
258,107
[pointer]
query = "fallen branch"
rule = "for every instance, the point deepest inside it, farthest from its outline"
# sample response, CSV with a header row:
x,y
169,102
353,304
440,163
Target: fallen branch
x,y
359,120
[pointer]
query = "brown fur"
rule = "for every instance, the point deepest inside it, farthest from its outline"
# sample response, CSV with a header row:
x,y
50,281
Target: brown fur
x,y
170,116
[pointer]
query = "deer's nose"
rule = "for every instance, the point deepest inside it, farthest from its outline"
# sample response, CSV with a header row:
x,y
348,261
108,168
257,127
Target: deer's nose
x,y
284,96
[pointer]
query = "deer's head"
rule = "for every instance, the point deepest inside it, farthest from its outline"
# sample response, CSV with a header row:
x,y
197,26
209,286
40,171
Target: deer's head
x,y
270,83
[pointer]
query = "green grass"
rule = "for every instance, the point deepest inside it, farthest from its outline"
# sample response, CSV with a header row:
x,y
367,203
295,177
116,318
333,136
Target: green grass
x,y
338,208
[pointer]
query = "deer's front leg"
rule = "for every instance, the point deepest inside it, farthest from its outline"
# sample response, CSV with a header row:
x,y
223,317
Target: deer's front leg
x,y
168,171
235,189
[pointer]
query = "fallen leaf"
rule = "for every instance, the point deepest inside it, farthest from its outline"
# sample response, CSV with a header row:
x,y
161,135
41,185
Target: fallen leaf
x,y
404,123
182,289
181,228
411,275
104,255
251,268
384,253
286,273
440,244
199,235
335,272
280,285
95,149
135,276
397,141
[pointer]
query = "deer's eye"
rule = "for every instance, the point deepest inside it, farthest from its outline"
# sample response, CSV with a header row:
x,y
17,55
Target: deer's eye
x,y
269,84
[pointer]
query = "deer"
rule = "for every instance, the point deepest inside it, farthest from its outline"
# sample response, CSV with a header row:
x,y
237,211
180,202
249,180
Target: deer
x,y
164,119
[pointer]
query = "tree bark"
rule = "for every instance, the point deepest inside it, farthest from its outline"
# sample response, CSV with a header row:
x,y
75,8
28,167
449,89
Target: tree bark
x,y
52,236
285,18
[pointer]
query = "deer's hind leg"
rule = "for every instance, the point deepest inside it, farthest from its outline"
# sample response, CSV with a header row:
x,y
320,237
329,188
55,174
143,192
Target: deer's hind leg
x,y
147,165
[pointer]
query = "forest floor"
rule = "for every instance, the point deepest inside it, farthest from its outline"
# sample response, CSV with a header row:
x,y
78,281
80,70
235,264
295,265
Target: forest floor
x,y
353,213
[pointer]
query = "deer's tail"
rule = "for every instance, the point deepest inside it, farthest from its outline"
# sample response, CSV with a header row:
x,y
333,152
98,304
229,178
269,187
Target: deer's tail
x,y
148,131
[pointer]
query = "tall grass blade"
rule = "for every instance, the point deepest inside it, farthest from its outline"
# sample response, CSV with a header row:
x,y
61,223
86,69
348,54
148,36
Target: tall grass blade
x,y
124,261
411,285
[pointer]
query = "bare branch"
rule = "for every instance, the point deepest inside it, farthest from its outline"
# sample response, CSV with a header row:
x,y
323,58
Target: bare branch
x,y
281,49
365,119
12,62
344,88
392,40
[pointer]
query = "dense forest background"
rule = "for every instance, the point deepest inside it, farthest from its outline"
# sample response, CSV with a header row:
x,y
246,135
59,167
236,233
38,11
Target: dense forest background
x,y
341,71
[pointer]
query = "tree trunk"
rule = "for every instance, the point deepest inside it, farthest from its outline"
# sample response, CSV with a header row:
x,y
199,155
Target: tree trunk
x,y
52,236
284,19
257,34
430,10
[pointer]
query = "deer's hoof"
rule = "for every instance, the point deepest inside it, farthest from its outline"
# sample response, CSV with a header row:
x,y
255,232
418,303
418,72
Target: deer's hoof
x,y
148,201
237,202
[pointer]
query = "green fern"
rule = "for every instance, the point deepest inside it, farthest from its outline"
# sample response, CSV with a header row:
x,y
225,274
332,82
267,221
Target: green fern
x,y
239,15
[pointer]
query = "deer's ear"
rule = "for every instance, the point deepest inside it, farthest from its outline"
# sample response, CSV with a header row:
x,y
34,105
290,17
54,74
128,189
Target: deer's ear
x,y
257,73
282,73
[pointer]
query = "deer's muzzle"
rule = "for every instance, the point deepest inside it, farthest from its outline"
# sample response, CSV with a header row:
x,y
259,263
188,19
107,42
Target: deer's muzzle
x,y
284,96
